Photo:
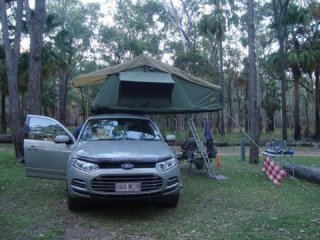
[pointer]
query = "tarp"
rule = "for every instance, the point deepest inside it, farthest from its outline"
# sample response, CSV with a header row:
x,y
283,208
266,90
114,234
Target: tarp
x,y
146,85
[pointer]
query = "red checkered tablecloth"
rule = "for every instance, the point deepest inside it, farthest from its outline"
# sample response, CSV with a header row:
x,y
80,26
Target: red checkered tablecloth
x,y
273,170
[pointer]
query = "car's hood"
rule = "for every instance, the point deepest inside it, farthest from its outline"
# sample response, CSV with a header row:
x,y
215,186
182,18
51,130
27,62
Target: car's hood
x,y
123,150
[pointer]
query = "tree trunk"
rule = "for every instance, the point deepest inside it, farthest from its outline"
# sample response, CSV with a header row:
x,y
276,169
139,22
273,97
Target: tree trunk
x,y
307,132
3,113
317,107
270,123
246,111
12,56
283,90
254,111
280,9
229,125
35,25
240,112
63,87
297,127
311,174
83,105
221,81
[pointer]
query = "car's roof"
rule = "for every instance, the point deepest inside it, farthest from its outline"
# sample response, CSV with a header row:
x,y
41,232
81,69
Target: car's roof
x,y
117,115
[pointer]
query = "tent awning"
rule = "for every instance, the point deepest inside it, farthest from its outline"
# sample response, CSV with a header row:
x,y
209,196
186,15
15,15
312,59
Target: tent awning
x,y
100,76
146,77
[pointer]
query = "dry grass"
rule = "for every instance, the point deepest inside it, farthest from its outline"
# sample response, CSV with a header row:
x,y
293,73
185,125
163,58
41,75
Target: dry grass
x,y
247,206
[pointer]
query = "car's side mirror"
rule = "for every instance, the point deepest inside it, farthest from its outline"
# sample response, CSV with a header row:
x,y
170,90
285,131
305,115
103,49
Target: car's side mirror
x,y
170,138
62,139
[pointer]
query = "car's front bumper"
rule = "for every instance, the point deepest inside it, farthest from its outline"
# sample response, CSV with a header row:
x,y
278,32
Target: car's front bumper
x,y
100,184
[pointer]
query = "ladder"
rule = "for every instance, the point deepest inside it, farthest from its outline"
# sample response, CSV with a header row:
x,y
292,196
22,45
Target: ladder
x,y
207,163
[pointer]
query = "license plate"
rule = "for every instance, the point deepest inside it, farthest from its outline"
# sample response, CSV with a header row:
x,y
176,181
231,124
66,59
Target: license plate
x,y
128,187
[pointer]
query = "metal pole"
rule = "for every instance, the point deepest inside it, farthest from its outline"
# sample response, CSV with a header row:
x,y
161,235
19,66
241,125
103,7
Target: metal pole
x,y
243,149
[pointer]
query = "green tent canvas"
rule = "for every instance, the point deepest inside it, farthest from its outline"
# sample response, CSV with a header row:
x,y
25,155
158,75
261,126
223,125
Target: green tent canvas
x,y
146,85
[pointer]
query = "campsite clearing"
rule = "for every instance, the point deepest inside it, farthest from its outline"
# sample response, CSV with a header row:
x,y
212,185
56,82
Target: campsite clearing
x,y
247,205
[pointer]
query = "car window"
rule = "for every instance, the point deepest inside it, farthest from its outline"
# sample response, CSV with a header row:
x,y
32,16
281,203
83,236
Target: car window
x,y
119,129
44,129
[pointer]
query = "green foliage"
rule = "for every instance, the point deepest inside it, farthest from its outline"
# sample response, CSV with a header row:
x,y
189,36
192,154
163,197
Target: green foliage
x,y
52,22
194,63
271,99
72,26
213,25
296,15
78,40
136,31
63,41
223,16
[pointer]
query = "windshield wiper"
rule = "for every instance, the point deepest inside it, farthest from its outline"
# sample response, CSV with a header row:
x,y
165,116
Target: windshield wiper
x,y
150,139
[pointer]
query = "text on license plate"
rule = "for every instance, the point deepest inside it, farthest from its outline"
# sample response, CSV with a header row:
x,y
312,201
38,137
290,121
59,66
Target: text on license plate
x,y
128,187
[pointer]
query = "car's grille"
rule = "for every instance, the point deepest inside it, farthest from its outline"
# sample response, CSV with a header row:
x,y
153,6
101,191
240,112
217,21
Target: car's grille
x,y
106,183
172,184
119,164
78,183
79,186
172,181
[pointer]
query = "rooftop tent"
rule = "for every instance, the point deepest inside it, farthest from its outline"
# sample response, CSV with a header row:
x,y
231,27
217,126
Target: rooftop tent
x,y
146,85
137,87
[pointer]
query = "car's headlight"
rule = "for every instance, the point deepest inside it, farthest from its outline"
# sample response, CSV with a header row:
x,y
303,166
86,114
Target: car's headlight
x,y
167,164
84,165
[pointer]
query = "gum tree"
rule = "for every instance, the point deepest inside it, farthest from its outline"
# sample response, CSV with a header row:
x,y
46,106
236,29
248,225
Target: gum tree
x,y
12,54
254,111
279,8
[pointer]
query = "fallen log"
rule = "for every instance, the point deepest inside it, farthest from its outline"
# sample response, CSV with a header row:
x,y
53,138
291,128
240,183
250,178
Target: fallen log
x,y
311,174
5,138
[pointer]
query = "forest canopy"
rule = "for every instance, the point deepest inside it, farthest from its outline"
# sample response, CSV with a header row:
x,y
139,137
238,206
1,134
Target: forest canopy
x,y
209,39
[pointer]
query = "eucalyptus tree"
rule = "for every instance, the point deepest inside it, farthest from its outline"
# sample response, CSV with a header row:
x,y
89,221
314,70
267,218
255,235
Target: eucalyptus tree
x,y
3,90
233,72
253,101
183,18
49,71
298,57
72,40
314,46
279,8
84,96
317,106
214,26
12,30
271,98
35,23
270,101
307,99
136,30
183,40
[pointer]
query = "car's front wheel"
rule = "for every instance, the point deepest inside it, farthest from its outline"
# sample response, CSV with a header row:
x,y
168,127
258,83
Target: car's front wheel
x,y
74,204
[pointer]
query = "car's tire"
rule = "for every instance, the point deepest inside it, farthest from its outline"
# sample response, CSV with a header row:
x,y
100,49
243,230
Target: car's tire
x,y
172,201
74,204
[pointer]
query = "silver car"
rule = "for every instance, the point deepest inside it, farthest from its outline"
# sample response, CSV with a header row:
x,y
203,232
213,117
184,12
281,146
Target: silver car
x,y
116,156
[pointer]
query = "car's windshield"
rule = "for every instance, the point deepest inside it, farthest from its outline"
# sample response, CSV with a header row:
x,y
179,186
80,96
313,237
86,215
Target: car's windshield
x,y
119,129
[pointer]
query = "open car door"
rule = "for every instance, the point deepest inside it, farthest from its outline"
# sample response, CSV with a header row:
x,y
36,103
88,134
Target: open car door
x,y
44,156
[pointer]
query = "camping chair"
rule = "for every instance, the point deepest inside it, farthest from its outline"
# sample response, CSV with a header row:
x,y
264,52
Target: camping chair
x,y
191,154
